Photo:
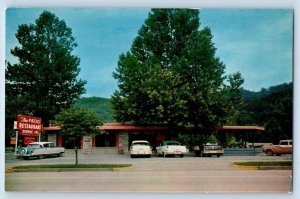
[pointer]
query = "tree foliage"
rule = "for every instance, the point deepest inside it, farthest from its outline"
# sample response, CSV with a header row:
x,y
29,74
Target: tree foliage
x,y
76,122
44,81
271,108
172,76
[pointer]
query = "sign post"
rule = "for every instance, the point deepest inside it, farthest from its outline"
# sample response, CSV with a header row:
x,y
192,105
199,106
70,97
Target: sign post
x,y
16,142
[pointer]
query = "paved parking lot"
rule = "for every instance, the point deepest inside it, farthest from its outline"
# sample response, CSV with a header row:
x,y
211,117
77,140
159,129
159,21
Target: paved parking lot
x,y
155,174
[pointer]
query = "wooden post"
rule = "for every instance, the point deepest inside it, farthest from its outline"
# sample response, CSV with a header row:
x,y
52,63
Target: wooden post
x,y
16,143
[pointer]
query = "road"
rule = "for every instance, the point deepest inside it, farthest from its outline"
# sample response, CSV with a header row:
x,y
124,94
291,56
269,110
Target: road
x,y
188,174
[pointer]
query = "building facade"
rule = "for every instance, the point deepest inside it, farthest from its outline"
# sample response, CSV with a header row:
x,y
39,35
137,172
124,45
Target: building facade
x,y
116,137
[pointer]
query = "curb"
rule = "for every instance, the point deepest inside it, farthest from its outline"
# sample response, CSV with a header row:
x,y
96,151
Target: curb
x,y
264,167
12,170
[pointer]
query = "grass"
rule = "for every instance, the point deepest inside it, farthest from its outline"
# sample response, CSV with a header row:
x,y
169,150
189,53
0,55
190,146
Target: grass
x,y
265,163
66,166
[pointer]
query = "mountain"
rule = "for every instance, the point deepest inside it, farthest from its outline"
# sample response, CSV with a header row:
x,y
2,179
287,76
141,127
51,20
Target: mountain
x,y
99,105
271,108
251,95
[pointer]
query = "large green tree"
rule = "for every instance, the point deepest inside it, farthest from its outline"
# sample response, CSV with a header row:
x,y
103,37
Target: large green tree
x,y
44,81
171,42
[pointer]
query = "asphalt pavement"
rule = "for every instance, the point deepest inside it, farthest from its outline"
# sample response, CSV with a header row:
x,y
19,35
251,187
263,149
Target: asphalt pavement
x,y
156,174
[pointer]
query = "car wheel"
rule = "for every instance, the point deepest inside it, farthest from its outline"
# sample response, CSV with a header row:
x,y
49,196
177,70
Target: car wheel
x,y
40,156
23,151
269,153
218,156
181,155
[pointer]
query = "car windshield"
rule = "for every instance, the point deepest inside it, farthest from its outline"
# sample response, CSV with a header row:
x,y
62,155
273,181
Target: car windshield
x,y
34,145
172,143
140,143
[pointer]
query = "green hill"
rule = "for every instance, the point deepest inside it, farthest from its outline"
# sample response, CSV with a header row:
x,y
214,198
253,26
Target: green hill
x,y
99,105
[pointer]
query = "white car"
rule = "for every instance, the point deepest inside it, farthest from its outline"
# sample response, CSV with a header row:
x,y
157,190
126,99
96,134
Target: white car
x,y
140,148
40,150
167,148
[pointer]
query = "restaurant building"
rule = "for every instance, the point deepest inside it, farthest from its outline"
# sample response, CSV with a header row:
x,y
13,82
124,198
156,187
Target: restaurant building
x,y
116,137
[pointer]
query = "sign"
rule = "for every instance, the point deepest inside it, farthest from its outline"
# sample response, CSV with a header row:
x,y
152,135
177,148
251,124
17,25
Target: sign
x,y
30,126
12,140
28,140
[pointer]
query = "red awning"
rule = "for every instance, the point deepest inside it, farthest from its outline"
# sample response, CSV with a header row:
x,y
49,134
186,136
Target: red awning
x,y
131,127
51,128
240,128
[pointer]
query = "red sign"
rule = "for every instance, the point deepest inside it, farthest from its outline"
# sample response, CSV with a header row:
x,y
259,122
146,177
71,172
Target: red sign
x,y
28,125
28,140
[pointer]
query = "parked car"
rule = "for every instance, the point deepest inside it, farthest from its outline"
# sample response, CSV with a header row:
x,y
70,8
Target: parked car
x,y
40,150
209,149
168,148
140,148
284,147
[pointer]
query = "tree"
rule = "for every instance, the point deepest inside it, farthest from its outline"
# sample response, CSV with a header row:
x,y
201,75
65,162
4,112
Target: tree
x,y
44,81
75,123
159,97
170,42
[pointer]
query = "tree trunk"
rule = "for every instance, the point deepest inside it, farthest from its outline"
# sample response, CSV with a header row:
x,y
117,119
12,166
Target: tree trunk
x,y
76,156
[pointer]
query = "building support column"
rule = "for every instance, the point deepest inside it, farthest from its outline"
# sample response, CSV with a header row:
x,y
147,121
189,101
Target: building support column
x,y
59,140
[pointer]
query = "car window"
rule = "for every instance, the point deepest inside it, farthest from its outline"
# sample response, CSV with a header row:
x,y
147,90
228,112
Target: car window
x,y
284,143
46,145
172,143
34,145
140,144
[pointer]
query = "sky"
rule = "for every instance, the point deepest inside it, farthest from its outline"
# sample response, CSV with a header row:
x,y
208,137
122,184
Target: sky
x,y
258,43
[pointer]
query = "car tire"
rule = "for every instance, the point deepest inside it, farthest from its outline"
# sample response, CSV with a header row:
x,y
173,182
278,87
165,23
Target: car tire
x,y
40,156
23,151
269,153
181,155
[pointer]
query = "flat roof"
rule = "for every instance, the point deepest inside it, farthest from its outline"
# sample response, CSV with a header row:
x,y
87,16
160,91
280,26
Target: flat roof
x,y
240,128
131,127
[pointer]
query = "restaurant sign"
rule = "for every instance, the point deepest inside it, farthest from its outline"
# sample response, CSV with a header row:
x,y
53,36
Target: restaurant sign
x,y
30,126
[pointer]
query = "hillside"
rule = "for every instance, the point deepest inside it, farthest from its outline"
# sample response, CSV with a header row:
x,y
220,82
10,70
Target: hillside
x,y
271,108
251,96
98,105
